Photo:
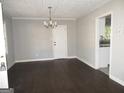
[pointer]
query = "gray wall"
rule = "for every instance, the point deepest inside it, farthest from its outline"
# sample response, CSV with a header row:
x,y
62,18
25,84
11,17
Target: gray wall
x,y
9,41
87,32
33,41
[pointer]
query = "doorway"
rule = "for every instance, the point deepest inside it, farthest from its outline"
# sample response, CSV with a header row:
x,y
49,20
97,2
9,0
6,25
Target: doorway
x,y
60,41
103,43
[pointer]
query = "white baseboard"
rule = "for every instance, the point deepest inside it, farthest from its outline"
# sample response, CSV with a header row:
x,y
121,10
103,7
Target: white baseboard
x,y
31,60
121,82
84,61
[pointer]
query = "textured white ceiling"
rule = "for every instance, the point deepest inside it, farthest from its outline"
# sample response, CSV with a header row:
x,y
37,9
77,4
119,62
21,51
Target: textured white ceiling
x,y
61,8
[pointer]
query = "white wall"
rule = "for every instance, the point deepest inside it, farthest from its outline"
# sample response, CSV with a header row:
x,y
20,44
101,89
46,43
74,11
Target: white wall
x,y
86,37
9,40
104,56
71,36
101,27
33,41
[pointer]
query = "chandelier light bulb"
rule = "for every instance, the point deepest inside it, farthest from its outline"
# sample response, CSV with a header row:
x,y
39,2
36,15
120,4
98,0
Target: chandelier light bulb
x,y
45,23
51,22
55,23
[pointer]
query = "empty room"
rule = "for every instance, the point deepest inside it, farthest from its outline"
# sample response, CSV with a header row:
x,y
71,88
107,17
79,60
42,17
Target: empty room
x,y
61,46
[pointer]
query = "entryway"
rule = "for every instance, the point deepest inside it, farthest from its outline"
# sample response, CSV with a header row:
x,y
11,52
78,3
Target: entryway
x,y
103,47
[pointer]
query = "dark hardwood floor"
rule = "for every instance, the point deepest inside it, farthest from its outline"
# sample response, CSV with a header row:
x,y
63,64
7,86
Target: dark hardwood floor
x,y
60,76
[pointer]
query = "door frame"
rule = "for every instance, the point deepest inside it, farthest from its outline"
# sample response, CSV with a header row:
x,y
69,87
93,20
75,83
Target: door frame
x,y
66,43
97,41
4,84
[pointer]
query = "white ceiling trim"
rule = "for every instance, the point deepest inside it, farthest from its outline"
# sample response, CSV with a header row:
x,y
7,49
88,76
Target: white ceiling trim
x,y
39,18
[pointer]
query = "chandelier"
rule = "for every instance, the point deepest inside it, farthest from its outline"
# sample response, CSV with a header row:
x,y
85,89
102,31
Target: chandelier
x,y
50,23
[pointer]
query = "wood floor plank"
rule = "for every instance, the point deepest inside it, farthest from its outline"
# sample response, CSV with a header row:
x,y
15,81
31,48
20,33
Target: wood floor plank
x,y
60,76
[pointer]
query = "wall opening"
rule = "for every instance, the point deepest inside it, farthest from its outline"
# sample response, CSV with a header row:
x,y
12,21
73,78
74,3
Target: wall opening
x,y
104,43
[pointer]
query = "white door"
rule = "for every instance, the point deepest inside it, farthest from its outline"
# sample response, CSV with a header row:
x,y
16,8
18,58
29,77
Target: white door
x,y
3,66
60,41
